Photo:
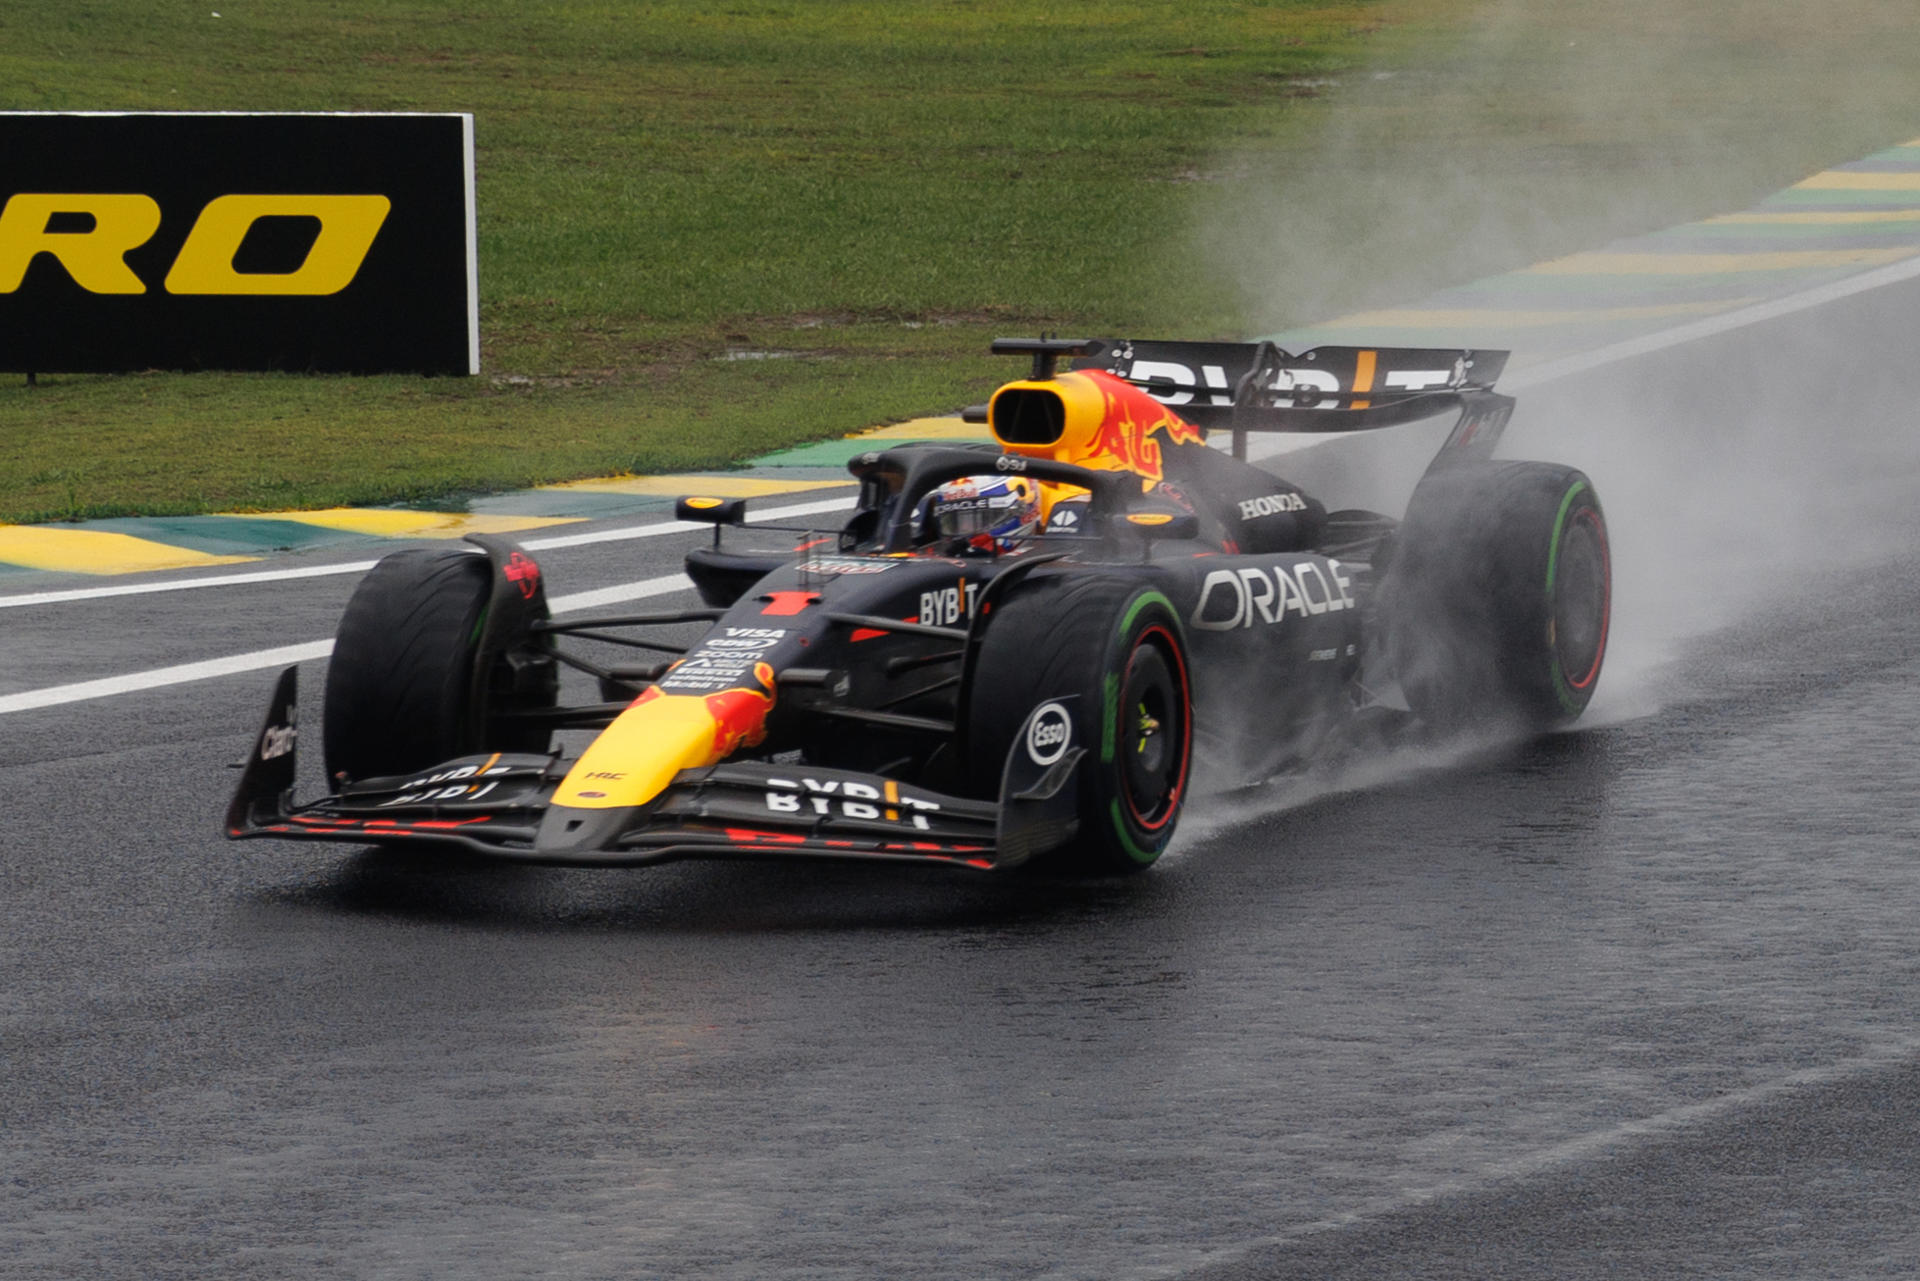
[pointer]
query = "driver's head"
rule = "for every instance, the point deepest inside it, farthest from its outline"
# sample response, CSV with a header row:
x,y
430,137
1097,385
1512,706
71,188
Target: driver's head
x,y
980,513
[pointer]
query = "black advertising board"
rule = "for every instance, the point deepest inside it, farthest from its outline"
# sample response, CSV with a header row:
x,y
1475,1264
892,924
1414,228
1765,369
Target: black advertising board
x,y
328,243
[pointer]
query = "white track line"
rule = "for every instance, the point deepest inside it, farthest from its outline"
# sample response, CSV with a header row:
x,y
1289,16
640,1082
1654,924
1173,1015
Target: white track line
x,y
1713,326
362,566
285,655
620,592
1613,1143
109,686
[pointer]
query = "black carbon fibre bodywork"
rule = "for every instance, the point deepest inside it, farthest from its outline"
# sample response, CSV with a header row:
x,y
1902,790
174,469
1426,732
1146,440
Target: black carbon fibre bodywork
x,y
870,643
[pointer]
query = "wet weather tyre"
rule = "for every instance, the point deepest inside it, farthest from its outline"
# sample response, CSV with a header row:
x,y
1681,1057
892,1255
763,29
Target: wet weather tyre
x,y
399,686
1117,647
1499,596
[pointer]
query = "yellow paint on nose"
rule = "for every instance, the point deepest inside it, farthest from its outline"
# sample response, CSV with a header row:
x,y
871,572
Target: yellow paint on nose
x,y
635,758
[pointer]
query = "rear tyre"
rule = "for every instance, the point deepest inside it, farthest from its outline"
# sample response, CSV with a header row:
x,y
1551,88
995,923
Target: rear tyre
x,y
1117,647
400,685
1499,595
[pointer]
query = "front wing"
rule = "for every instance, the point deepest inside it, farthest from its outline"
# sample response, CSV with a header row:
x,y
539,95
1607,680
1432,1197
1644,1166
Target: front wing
x,y
493,805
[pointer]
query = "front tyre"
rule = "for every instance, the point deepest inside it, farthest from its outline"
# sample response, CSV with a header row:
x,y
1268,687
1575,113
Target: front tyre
x,y
400,684
1499,595
1116,647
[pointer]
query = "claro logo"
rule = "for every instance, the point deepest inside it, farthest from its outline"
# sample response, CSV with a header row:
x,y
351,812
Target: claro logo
x,y
96,256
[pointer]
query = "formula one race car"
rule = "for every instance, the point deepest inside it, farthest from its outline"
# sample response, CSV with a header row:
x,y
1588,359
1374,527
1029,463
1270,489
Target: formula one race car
x,y
1006,652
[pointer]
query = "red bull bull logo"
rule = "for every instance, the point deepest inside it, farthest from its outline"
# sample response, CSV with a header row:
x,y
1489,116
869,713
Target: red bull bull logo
x,y
521,571
740,715
1131,421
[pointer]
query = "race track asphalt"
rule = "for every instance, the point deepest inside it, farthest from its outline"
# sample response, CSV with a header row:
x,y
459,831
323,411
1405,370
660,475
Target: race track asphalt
x,y
1633,1000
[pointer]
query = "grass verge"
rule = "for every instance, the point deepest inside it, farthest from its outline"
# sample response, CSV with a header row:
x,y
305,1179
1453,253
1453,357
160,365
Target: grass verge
x,y
873,189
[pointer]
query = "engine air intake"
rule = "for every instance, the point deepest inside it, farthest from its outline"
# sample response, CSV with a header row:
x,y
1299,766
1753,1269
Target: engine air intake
x,y
1027,416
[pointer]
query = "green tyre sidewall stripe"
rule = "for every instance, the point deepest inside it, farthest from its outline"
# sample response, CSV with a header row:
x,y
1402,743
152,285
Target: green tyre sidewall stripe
x,y
1138,855
1110,714
1110,693
1562,688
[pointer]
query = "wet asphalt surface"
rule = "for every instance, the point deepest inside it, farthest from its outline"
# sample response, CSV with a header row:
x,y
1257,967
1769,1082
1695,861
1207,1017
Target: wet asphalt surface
x,y
1635,1000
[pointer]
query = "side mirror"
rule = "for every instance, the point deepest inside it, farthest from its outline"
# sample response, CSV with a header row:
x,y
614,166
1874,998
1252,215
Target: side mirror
x,y
712,511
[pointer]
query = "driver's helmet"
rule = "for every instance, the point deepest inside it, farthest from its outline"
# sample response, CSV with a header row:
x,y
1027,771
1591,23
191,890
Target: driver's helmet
x,y
980,513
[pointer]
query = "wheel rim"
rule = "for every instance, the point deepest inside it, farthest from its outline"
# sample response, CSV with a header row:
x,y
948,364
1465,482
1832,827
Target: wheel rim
x,y
1580,600
1153,731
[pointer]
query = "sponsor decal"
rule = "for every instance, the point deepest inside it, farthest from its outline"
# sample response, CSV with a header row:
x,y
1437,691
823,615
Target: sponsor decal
x,y
1176,383
847,565
740,715
1067,517
1169,371
1316,387
1010,462
449,775
324,242
1049,734
1129,424
278,740
1271,505
96,257
848,798
970,504
523,573
447,785
1237,598
724,660
947,606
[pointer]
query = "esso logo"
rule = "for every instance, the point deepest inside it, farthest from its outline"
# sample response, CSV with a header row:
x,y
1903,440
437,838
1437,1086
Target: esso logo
x,y
1049,732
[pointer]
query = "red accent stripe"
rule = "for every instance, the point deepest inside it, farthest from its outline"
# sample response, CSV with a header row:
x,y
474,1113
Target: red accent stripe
x,y
748,835
384,824
782,604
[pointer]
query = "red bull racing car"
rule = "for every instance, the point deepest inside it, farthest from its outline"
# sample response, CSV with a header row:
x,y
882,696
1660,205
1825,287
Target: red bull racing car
x,y
1007,653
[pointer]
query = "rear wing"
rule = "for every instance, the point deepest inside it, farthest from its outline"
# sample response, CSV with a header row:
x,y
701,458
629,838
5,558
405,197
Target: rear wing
x,y
1248,387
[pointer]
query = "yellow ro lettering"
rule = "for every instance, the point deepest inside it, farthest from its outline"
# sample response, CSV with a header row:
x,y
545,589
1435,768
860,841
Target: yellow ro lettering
x,y
96,259
348,225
